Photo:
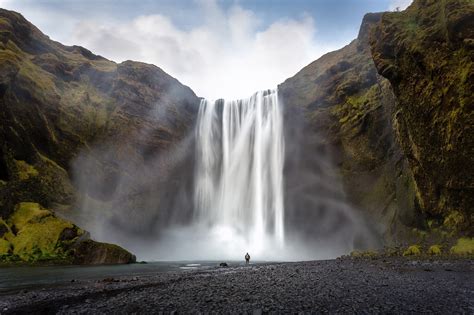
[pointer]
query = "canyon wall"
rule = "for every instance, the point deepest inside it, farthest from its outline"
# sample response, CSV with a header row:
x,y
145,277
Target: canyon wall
x,y
383,124
59,104
394,111
427,54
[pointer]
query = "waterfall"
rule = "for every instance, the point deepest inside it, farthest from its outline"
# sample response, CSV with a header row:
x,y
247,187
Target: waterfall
x,y
239,172
239,195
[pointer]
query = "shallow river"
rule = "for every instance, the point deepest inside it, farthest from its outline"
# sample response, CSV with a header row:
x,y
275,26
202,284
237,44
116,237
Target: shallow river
x,y
16,278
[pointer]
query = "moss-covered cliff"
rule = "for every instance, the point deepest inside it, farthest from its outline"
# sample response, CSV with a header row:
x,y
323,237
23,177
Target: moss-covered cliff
x,y
339,106
59,103
33,234
58,100
403,147
427,54
389,116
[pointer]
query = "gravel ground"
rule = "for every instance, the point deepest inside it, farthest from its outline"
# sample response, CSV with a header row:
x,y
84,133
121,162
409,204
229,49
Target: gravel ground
x,y
334,286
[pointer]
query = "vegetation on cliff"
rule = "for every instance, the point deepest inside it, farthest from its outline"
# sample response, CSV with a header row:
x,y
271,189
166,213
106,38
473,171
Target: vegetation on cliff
x,y
402,146
427,54
33,234
348,108
393,108
58,103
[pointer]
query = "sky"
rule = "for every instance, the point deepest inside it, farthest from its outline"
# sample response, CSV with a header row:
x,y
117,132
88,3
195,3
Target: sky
x,y
220,48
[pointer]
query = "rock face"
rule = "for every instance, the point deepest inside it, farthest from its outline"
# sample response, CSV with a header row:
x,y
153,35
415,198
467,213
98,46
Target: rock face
x,y
402,147
389,116
427,54
95,253
339,109
59,103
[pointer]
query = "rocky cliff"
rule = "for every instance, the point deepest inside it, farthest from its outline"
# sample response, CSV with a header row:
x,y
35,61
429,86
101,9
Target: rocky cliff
x,y
427,54
59,103
389,116
338,106
394,110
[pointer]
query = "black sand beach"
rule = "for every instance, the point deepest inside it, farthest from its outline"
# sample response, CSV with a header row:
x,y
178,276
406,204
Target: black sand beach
x,y
392,285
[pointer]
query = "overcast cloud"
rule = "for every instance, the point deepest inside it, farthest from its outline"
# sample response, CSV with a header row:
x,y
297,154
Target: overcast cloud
x,y
226,56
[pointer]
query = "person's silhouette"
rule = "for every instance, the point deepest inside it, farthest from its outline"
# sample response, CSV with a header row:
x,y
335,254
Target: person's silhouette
x,y
247,258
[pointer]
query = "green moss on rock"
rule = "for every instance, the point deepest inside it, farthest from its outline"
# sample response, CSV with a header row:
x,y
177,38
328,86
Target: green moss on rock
x,y
413,250
25,213
364,254
4,228
38,232
425,53
434,250
5,247
34,234
464,246
60,102
25,170
454,220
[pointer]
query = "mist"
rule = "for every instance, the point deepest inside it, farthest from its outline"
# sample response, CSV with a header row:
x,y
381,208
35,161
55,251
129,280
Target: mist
x,y
151,202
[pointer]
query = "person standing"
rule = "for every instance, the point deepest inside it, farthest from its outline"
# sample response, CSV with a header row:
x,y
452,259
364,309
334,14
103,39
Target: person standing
x,y
247,258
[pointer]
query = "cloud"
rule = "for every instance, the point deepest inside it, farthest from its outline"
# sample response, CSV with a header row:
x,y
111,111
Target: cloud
x,y
228,55
400,4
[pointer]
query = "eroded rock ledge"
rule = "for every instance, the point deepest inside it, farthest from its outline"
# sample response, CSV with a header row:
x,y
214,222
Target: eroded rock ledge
x,y
33,234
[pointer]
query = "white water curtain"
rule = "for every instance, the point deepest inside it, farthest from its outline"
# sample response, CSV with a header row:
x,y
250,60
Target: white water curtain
x,y
240,155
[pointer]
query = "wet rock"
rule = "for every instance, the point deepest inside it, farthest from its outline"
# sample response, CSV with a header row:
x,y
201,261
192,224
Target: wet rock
x,y
3,228
68,234
95,253
110,280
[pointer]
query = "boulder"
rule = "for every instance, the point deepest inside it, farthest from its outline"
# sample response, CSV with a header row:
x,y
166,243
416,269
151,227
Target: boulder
x,y
95,253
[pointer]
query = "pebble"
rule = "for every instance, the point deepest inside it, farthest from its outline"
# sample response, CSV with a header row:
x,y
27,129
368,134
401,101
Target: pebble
x,y
334,286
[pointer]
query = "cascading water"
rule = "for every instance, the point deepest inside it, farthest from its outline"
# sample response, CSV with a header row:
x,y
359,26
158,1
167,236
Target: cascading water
x,y
239,172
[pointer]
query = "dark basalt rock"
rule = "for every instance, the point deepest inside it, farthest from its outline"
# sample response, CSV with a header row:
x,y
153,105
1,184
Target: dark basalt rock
x,y
94,253
3,229
68,234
